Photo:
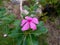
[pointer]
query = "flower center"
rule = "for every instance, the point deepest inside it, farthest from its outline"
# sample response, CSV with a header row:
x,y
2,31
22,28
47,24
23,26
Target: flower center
x,y
29,20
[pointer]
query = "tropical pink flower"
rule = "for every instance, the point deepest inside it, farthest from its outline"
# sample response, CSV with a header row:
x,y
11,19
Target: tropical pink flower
x,y
28,23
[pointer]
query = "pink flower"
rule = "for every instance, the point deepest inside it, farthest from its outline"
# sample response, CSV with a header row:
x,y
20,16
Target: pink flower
x,y
28,23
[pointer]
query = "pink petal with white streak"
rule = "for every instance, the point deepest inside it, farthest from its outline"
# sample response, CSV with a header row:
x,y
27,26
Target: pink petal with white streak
x,y
23,22
33,26
25,27
35,20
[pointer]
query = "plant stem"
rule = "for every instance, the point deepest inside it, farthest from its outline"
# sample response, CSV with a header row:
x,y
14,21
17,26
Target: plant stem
x,y
21,1
31,39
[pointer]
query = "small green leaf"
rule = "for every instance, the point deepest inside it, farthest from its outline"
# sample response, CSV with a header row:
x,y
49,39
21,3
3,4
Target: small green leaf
x,y
26,7
16,30
17,27
31,40
41,23
20,40
41,29
16,22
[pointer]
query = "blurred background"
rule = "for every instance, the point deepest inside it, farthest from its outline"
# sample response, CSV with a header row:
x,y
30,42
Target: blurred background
x,y
48,11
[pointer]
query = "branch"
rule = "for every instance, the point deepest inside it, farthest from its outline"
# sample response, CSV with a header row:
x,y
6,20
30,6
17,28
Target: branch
x,y
21,1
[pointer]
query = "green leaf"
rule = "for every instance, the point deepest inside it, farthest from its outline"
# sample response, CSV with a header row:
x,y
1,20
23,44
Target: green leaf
x,y
16,22
2,12
41,23
8,19
26,7
16,30
54,1
31,40
35,7
20,40
43,2
13,35
41,29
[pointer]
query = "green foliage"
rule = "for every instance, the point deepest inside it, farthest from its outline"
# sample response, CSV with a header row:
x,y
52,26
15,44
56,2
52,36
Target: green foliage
x,y
32,40
44,2
32,9
1,2
11,26
42,39
41,29
58,8
5,21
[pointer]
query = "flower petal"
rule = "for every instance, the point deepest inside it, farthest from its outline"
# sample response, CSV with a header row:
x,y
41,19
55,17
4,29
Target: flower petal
x,y
28,18
35,20
23,22
25,27
32,26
